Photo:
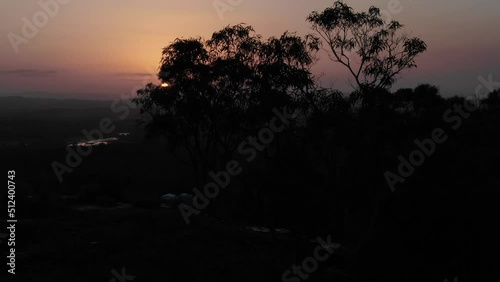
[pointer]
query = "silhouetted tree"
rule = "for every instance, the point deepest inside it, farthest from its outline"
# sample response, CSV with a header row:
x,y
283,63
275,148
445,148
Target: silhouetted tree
x,y
426,96
403,99
383,52
223,89
493,98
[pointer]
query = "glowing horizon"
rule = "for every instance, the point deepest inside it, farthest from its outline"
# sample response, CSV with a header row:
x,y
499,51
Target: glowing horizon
x,y
115,47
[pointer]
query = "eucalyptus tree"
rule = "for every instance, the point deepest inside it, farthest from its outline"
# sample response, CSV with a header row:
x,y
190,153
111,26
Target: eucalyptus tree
x,y
222,89
374,52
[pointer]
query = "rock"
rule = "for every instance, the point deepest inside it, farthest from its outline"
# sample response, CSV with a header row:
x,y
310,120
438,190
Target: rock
x,y
169,200
169,197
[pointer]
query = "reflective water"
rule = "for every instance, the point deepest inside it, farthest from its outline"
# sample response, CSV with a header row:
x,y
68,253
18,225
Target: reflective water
x,y
89,143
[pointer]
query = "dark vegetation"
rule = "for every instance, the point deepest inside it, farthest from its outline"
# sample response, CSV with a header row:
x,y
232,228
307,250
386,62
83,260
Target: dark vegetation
x,y
324,174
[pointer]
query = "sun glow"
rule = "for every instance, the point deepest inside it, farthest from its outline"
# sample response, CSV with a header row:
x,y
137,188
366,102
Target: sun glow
x,y
165,85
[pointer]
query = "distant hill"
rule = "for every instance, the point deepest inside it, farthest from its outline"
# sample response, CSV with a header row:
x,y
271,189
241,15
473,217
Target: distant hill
x,y
51,122
16,104
53,95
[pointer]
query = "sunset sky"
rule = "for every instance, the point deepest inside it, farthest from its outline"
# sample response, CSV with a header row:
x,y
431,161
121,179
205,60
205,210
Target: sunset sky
x,y
95,49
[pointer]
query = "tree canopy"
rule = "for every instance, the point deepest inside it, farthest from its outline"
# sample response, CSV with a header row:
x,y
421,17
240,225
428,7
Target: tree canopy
x,y
375,52
225,87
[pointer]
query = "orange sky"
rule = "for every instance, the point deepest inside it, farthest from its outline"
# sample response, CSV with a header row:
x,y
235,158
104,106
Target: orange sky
x,y
104,48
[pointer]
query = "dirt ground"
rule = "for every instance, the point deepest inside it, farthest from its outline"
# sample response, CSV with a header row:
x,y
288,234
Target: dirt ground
x,y
86,243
